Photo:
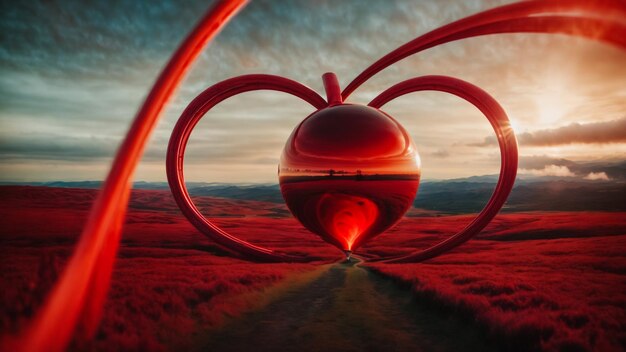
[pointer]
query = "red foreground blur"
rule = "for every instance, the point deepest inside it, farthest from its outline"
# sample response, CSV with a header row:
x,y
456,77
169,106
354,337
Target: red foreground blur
x,y
79,295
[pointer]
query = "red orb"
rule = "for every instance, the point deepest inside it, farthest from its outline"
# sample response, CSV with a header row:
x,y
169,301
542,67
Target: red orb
x,y
348,173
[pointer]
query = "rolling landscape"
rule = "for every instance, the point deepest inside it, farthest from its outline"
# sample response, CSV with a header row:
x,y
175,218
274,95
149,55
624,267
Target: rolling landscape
x,y
551,280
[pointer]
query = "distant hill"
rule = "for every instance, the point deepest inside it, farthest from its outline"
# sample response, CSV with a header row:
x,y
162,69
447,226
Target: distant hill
x,y
546,195
259,192
467,195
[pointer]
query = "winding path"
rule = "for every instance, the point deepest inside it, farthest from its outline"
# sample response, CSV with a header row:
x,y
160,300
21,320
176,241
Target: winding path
x,y
347,308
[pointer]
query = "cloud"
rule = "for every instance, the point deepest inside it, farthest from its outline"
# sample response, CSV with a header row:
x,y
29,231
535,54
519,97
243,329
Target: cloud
x,y
599,170
590,133
597,176
538,162
71,70
55,147
440,153
73,73
550,170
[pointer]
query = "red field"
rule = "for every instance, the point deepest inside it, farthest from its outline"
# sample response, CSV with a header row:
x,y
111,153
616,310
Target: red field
x,y
169,280
560,294
550,280
554,281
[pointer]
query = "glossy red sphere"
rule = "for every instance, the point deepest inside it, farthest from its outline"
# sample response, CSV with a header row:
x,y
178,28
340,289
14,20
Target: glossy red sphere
x,y
348,173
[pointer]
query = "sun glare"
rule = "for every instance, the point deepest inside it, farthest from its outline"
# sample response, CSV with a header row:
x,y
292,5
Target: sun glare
x,y
515,125
553,97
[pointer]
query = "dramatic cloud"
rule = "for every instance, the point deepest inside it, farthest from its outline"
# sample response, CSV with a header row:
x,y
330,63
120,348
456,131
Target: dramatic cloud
x,y
588,133
73,73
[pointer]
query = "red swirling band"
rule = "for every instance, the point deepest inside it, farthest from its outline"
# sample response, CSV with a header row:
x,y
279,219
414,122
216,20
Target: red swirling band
x,y
79,294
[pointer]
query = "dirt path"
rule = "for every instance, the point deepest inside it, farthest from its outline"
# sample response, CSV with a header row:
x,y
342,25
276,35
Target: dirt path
x,y
346,309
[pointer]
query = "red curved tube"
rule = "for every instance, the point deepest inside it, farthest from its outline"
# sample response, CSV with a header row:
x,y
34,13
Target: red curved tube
x,y
178,141
516,18
506,140
80,292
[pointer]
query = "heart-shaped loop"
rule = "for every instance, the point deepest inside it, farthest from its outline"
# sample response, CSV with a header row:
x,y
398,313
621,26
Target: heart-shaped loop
x,y
180,136
506,140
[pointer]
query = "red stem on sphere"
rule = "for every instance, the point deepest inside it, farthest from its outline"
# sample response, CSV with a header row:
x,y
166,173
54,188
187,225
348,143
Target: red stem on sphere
x,y
333,91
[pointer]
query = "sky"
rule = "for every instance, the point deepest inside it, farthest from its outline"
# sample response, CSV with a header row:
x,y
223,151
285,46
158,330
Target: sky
x,y
73,74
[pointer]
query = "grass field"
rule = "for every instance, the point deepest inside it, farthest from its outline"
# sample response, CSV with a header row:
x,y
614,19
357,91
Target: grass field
x,y
553,281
